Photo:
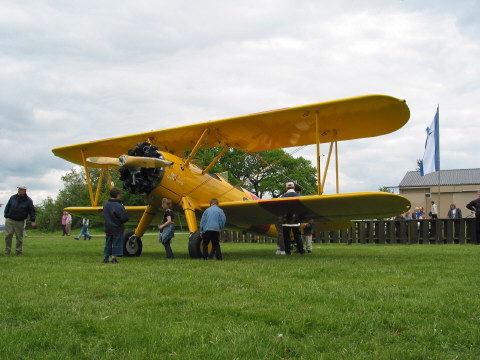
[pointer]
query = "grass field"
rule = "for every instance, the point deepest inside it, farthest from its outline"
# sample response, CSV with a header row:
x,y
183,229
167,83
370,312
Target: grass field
x,y
58,301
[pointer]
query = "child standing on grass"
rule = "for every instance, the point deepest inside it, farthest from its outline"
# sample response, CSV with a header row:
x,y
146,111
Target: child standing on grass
x,y
167,229
115,217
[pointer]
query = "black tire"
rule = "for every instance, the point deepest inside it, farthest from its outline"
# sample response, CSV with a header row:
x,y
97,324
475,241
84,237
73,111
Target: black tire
x,y
195,246
131,247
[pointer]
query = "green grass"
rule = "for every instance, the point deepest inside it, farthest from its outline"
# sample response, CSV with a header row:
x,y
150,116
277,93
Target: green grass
x,y
59,301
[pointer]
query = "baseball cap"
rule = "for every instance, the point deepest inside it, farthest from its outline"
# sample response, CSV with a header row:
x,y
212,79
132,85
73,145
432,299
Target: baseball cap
x,y
22,187
290,185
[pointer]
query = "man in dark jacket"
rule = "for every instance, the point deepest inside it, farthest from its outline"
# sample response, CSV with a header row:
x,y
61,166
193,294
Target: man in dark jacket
x,y
289,227
474,205
115,217
18,208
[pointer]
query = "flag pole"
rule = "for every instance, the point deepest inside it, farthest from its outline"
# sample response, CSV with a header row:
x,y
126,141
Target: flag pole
x,y
438,112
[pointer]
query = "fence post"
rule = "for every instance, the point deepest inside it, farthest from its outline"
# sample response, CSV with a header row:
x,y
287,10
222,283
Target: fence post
x,y
461,231
437,225
381,231
448,228
412,232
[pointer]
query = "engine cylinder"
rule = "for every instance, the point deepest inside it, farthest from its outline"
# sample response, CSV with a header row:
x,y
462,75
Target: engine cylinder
x,y
140,180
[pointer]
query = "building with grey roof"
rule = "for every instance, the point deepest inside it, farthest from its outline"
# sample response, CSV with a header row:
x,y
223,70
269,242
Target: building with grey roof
x,y
457,187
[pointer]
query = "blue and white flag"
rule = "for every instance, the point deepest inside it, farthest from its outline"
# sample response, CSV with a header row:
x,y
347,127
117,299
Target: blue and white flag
x,y
431,157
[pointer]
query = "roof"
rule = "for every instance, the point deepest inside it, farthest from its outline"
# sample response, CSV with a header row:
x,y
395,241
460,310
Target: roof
x,y
447,177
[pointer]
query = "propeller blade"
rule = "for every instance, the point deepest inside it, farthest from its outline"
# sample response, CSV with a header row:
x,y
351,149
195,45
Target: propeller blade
x,y
145,162
103,160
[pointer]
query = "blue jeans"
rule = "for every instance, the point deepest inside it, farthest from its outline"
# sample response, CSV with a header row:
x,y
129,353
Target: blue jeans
x,y
167,235
84,232
113,245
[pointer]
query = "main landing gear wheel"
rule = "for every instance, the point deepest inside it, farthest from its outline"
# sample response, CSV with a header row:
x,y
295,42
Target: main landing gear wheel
x,y
195,246
132,244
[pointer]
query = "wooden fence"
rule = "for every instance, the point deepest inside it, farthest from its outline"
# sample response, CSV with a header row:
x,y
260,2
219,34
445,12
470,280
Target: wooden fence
x,y
441,231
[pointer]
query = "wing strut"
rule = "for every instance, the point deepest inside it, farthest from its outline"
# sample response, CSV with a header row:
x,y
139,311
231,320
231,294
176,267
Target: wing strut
x,y
94,201
87,173
197,146
321,184
214,161
317,132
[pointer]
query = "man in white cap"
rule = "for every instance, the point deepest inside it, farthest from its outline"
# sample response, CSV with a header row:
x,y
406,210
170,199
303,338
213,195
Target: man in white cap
x,y
18,208
291,226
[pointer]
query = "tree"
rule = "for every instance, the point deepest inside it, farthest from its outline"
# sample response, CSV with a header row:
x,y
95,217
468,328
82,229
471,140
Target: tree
x,y
419,164
257,177
75,193
386,189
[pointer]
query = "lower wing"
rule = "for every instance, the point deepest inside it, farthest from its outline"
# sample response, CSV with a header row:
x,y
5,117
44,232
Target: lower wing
x,y
135,213
330,212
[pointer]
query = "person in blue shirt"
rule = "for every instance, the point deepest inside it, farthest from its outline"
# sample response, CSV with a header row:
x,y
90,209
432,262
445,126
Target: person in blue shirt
x,y
211,224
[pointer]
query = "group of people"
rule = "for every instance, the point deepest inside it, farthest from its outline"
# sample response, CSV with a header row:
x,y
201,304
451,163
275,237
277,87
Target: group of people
x,y
20,207
419,213
115,216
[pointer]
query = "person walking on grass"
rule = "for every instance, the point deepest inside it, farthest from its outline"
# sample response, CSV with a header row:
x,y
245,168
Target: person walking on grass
x,y
167,229
115,217
64,223
211,224
18,208
84,232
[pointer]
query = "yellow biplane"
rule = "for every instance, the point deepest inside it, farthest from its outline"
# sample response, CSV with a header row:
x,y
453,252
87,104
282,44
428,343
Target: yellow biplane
x,y
153,164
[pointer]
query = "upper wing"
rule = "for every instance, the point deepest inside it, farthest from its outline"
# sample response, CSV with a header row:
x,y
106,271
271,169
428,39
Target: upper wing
x,y
345,119
324,209
95,212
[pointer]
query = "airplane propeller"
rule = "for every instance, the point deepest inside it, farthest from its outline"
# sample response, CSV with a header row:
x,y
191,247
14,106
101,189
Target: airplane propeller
x,y
130,161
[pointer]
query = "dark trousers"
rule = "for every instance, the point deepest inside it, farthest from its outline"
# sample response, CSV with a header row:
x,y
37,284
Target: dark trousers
x,y
64,230
168,249
296,236
477,225
214,237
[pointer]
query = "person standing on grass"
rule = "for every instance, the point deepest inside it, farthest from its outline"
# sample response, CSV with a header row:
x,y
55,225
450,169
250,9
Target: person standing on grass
x,y
18,208
307,236
115,217
167,229
474,205
211,224
294,228
68,226
64,223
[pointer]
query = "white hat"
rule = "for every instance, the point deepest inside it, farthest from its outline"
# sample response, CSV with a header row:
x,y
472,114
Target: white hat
x,y
290,185
22,187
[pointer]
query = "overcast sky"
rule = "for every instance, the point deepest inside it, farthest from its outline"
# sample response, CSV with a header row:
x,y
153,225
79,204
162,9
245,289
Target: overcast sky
x,y
78,71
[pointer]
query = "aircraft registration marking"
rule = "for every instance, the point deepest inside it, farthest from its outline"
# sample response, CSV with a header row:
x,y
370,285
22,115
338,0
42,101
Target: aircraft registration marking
x,y
175,178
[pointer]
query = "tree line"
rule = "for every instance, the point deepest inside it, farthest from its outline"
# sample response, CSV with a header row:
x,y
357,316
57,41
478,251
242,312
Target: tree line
x,y
241,169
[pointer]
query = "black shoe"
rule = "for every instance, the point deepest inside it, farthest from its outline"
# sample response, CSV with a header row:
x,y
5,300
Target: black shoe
x,y
105,261
76,238
114,261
